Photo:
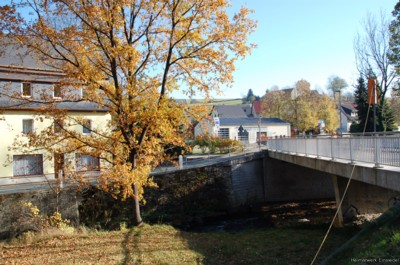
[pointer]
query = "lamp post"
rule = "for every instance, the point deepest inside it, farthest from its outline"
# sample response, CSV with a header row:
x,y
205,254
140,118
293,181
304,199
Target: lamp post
x,y
340,110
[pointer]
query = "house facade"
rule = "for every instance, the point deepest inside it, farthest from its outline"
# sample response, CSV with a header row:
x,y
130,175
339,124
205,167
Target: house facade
x,y
27,88
348,115
249,130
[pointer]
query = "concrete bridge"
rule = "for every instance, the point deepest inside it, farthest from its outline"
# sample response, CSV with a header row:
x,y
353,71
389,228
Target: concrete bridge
x,y
372,163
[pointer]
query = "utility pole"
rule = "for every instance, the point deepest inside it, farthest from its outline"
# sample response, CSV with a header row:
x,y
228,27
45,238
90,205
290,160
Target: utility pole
x,y
372,96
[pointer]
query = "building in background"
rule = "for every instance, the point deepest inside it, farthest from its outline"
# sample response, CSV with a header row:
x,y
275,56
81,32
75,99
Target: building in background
x,y
248,130
27,87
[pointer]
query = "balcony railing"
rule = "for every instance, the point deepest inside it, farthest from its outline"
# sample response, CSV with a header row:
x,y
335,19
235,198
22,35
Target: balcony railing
x,y
378,148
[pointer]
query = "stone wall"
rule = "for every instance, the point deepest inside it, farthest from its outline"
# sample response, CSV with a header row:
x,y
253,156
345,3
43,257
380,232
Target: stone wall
x,y
247,182
189,195
46,201
182,197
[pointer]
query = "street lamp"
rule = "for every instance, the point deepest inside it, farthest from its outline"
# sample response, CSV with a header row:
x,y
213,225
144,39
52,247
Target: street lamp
x,y
340,110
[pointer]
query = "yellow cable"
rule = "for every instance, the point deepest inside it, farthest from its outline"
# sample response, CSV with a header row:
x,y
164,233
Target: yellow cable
x,y
341,200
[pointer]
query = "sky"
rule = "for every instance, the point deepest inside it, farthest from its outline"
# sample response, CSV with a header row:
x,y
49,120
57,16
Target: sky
x,y
302,39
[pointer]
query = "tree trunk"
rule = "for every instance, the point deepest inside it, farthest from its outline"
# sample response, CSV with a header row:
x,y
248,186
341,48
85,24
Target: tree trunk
x,y
138,216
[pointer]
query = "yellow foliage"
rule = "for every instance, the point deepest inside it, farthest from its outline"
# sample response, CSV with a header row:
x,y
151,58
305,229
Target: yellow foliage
x,y
304,110
129,56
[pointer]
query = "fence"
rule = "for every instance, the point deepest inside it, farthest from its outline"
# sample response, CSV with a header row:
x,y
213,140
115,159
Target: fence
x,y
379,148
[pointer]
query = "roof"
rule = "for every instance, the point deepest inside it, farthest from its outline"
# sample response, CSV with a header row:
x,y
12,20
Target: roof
x,y
18,63
82,106
250,121
248,110
349,105
347,109
230,111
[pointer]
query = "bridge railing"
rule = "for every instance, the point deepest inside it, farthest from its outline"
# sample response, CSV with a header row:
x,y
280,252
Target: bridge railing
x,y
378,148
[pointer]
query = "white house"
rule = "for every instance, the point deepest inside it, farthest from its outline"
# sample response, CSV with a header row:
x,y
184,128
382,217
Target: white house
x,y
247,129
348,115
26,86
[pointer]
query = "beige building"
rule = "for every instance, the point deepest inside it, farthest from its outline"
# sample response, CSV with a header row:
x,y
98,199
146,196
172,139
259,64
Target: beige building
x,y
248,130
26,88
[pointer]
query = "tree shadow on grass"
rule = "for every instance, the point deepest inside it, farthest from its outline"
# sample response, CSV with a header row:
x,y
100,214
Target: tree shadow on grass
x,y
127,245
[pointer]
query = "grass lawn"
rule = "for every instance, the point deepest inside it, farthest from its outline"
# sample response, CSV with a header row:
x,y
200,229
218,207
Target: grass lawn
x,y
162,244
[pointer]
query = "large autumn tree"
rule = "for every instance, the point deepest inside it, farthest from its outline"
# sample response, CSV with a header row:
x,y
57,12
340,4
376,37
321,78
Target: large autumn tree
x,y
301,106
130,55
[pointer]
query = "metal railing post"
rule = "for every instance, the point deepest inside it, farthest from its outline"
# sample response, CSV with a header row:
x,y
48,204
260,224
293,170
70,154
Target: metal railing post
x,y
351,151
305,146
377,153
332,153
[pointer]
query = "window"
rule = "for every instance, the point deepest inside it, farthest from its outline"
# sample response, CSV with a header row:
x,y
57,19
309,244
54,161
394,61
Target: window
x,y
87,126
27,126
57,91
223,133
263,138
26,89
84,93
58,165
87,162
25,165
58,125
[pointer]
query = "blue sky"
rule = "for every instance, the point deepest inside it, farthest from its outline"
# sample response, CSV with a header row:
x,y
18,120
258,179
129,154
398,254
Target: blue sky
x,y
307,39
301,39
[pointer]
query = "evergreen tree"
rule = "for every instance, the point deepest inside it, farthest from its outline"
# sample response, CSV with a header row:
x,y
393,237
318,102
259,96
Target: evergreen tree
x,y
386,117
250,97
364,119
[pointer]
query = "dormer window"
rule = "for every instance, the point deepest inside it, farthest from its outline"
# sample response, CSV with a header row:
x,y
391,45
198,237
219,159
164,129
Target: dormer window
x,y
26,89
57,91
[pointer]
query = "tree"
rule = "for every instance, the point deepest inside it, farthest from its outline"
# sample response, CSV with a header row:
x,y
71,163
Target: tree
x,y
394,44
302,107
274,104
384,116
336,84
395,106
250,97
303,86
130,56
326,112
372,53
365,121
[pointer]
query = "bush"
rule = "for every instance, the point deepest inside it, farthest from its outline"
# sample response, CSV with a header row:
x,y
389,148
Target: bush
x,y
25,218
207,142
228,145
203,142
